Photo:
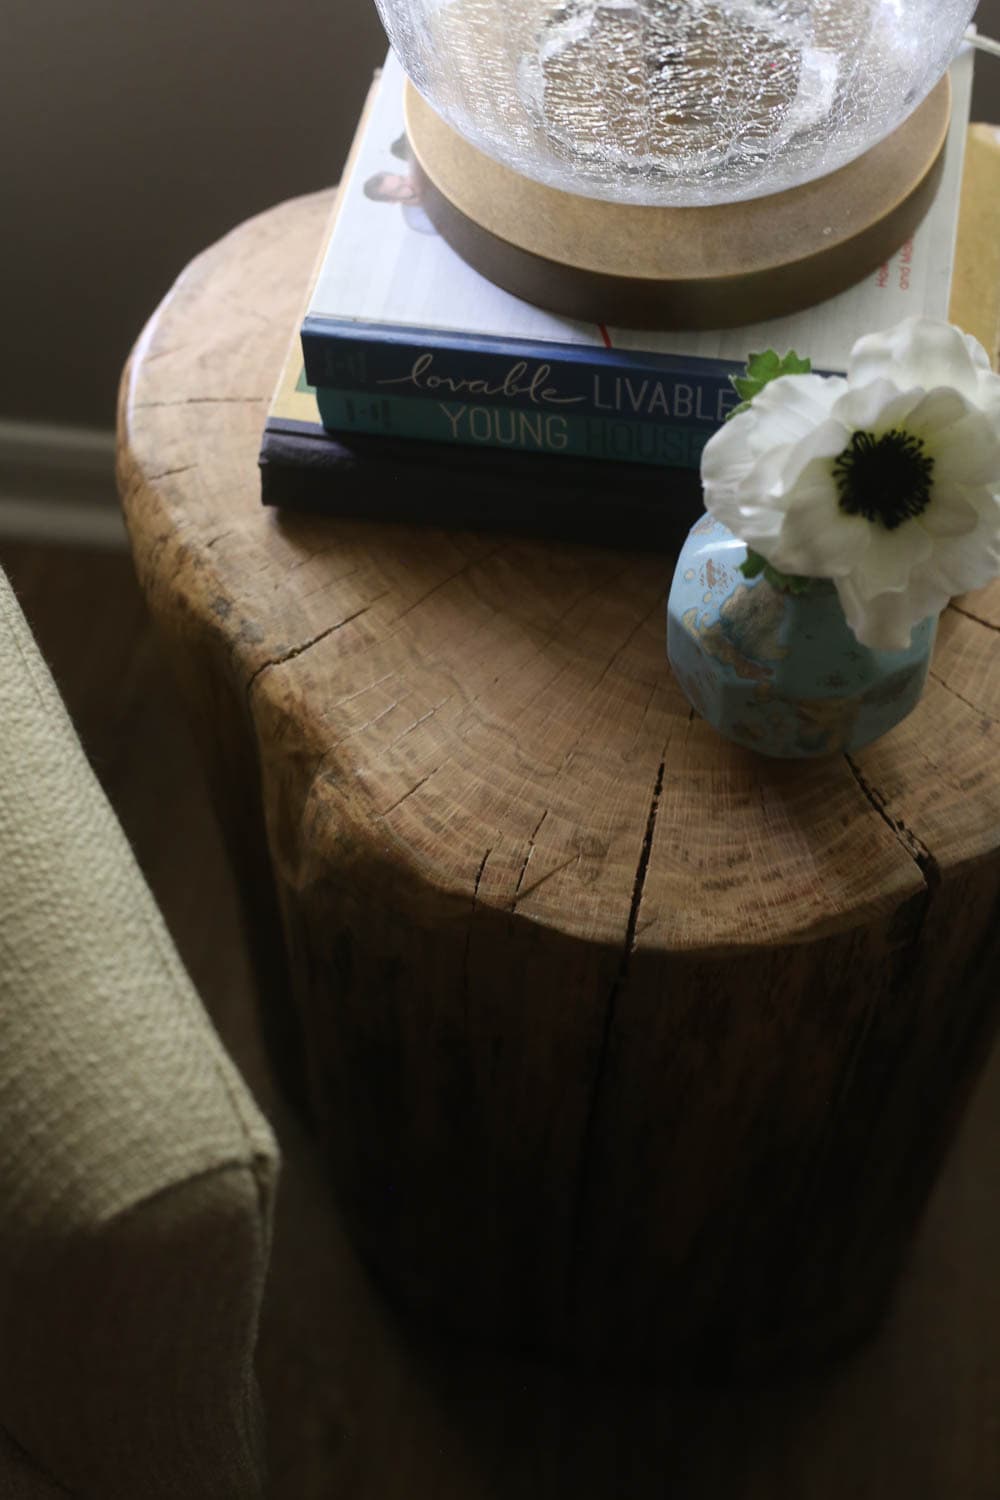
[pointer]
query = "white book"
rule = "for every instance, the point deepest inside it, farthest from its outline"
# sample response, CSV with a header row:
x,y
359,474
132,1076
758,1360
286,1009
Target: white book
x,y
387,270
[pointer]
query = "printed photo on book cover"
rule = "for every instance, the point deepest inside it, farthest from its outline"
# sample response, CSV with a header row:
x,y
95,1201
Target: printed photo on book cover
x,y
402,188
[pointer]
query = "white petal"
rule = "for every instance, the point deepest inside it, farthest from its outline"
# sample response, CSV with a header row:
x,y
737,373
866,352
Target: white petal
x,y
985,499
772,488
988,393
749,465
876,407
966,453
978,354
950,513
724,507
818,539
727,455
938,412
987,396
890,558
766,481
824,444
886,622
917,352
789,408
958,564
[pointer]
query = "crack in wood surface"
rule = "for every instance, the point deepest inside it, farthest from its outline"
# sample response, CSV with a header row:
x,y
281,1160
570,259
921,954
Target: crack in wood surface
x,y
641,872
527,859
312,555
294,651
659,606
407,795
466,975
351,734
370,723
969,614
368,688
470,562
977,708
265,319
154,354
590,1124
434,708
479,875
909,841
169,473
528,890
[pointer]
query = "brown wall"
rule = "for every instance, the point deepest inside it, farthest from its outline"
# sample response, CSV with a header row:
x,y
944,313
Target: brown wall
x,y
135,134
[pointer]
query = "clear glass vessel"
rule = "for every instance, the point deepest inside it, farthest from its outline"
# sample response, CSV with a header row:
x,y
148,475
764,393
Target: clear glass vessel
x,y
677,102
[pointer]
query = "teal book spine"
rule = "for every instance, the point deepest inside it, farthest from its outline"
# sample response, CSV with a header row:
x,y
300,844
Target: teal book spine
x,y
668,444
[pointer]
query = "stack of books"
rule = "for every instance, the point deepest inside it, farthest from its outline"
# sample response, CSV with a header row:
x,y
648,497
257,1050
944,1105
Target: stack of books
x,y
415,389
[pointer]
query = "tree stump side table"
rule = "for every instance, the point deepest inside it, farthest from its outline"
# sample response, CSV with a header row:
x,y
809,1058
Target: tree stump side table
x,y
620,1041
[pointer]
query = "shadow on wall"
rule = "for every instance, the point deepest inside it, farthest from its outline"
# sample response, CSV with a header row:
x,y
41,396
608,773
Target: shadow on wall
x,y
146,131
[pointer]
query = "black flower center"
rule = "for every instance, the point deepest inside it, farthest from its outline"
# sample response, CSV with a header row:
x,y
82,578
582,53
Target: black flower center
x,y
885,478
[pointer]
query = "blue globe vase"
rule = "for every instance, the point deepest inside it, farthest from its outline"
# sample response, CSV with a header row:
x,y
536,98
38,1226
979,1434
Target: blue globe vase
x,y
777,672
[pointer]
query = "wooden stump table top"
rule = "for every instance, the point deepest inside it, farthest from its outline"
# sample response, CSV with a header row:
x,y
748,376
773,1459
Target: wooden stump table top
x,y
499,714
481,735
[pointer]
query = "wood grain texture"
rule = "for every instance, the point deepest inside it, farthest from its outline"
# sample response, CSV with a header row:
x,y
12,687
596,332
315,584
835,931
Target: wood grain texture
x,y
618,1039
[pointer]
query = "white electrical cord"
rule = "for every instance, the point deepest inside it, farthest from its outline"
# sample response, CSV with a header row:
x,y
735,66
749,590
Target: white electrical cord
x,y
984,43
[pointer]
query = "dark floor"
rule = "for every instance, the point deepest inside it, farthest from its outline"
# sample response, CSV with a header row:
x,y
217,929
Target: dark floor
x,y
359,1408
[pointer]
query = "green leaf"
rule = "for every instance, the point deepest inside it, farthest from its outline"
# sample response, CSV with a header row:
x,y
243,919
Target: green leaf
x,y
746,389
789,583
792,583
793,365
763,367
761,370
754,565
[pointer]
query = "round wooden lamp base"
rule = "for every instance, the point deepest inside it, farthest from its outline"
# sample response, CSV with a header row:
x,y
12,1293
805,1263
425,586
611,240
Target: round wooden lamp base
x,y
679,267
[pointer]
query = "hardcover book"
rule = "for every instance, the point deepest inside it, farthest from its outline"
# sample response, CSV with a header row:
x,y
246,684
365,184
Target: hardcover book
x,y
402,338
305,467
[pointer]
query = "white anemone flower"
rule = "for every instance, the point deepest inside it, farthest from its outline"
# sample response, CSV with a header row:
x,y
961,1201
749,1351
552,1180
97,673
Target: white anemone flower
x,y
887,482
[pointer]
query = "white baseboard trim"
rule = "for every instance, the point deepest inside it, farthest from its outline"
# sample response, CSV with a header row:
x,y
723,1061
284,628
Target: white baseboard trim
x,y
57,485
